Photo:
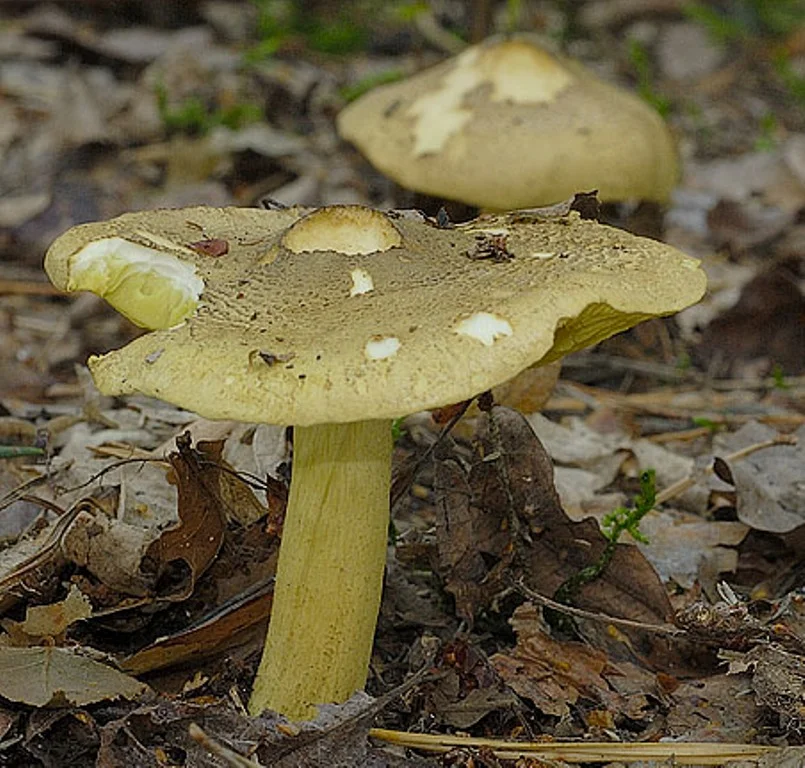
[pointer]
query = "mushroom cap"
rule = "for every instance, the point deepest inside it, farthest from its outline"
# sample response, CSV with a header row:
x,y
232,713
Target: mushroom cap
x,y
506,125
266,324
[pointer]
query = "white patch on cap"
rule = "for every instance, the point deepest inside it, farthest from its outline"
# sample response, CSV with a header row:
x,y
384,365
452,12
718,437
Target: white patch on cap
x,y
517,71
484,327
523,73
439,114
381,347
152,288
361,282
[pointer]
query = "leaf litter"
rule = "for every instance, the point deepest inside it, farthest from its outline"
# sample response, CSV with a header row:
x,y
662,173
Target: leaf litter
x,y
695,635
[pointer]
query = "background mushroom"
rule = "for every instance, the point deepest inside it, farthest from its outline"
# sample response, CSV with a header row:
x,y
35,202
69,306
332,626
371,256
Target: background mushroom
x,y
506,124
337,320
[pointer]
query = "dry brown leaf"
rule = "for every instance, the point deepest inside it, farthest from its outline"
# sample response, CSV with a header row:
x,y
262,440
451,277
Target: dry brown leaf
x,y
554,674
766,327
196,539
778,680
49,620
237,623
714,708
502,519
462,709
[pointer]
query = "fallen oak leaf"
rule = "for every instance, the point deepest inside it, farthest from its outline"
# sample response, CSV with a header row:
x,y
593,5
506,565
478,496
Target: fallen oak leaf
x,y
553,674
49,620
501,520
559,547
45,675
196,539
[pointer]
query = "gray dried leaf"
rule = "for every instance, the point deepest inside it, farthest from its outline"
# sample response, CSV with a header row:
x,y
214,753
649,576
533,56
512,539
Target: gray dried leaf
x,y
769,484
41,676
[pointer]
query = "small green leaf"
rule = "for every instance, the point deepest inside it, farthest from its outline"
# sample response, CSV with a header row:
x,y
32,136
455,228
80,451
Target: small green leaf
x,y
14,451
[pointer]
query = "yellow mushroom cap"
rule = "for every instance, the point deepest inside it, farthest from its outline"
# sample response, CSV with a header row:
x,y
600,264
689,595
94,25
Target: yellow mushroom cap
x,y
506,125
402,316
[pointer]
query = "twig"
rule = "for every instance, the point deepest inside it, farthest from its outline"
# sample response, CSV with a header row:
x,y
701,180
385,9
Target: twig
x,y
535,597
662,371
51,547
680,486
428,26
681,753
400,484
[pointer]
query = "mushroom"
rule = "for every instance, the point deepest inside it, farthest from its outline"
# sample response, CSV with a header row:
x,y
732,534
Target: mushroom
x,y
506,124
337,320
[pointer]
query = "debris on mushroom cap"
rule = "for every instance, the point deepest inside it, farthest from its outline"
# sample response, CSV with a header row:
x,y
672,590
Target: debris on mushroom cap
x,y
282,336
506,125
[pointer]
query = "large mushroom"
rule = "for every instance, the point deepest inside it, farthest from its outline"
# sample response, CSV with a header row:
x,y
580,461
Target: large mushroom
x,y
506,124
338,320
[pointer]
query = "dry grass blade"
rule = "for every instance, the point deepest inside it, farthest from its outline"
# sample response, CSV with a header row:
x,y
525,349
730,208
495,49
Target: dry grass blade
x,y
49,547
682,753
29,288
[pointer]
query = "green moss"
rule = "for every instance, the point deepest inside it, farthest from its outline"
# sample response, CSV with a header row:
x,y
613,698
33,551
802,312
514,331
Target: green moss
x,y
766,140
196,117
339,32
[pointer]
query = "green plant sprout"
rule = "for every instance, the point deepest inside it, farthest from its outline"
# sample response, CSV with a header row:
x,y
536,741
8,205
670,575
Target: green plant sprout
x,y
745,19
408,11
767,138
638,56
514,13
15,451
398,429
703,421
778,376
721,27
281,20
356,90
195,117
684,362
794,82
614,525
628,518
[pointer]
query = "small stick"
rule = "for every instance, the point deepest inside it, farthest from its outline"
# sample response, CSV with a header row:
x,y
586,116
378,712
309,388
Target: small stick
x,y
230,757
680,486
29,288
657,629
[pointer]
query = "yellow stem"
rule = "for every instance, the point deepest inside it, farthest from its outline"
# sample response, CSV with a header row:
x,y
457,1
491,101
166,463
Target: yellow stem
x,y
330,570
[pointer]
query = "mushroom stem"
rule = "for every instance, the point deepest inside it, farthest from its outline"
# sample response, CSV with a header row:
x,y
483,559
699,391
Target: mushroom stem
x,y
330,570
